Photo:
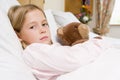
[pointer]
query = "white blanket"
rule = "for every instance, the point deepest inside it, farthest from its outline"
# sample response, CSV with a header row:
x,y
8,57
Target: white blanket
x,y
106,67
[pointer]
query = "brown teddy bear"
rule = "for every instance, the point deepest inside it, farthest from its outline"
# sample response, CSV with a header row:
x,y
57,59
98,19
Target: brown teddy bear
x,y
73,33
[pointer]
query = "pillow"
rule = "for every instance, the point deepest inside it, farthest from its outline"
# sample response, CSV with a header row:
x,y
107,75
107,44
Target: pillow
x,y
63,18
12,67
52,24
6,4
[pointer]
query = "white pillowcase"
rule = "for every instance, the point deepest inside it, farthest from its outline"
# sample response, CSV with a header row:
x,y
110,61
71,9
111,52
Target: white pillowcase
x,y
52,24
63,18
12,67
6,4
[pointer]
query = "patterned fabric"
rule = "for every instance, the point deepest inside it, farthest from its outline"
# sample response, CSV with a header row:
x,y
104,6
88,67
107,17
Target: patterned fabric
x,y
104,9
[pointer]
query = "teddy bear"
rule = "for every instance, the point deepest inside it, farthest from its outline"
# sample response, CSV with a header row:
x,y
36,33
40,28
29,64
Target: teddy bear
x,y
73,33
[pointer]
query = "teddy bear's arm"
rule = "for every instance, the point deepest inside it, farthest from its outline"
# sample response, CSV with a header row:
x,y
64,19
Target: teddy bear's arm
x,y
79,41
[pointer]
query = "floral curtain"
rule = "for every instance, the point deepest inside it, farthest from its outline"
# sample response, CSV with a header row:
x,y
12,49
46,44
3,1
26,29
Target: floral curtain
x,y
104,10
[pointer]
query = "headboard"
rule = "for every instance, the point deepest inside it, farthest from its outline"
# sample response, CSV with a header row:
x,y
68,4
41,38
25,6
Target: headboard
x,y
39,3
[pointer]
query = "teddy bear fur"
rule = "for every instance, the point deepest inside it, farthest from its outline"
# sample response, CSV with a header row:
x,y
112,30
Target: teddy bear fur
x,y
73,33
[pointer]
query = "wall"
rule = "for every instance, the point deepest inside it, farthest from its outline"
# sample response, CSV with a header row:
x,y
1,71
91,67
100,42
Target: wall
x,y
59,5
54,4
114,31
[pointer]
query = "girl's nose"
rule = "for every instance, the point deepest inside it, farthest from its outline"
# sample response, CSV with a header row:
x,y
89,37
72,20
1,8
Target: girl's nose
x,y
42,30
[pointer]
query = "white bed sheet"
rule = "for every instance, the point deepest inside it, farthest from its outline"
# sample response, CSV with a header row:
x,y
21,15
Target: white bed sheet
x,y
114,41
106,67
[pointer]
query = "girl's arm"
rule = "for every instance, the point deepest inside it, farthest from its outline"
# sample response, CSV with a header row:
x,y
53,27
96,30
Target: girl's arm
x,y
61,59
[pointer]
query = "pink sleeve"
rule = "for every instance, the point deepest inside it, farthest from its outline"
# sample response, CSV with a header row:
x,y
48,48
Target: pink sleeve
x,y
50,60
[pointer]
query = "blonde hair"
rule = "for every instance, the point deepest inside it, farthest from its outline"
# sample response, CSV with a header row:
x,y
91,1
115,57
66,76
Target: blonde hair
x,y
17,14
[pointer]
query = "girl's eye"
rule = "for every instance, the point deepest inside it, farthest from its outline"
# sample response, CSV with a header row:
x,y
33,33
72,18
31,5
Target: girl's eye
x,y
32,27
45,24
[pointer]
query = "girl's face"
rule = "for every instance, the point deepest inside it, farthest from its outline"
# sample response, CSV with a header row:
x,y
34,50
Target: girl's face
x,y
35,28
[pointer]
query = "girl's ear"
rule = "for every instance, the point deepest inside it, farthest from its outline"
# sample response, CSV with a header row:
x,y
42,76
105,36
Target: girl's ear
x,y
18,34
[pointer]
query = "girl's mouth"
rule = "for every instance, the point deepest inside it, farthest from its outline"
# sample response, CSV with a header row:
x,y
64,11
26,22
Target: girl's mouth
x,y
44,38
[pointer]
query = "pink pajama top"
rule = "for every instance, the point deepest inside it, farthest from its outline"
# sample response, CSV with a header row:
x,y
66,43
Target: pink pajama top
x,y
47,62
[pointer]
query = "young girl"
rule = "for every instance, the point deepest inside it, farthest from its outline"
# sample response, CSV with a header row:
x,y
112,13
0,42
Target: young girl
x,y
46,60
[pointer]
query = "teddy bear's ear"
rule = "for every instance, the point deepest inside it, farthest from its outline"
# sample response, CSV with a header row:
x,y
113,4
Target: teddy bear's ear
x,y
84,31
61,37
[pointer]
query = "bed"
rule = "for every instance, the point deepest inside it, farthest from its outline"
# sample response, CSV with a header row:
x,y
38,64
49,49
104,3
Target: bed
x,y
12,67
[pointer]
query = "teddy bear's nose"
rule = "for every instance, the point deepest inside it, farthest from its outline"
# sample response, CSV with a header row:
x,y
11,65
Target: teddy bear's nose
x,y
76,27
